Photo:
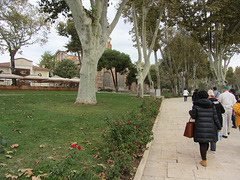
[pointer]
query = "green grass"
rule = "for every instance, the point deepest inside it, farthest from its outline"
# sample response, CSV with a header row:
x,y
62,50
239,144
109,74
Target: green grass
x,y
31,119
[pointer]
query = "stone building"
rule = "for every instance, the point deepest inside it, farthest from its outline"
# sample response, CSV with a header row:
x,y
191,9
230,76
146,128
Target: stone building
x,y
104,79
24,67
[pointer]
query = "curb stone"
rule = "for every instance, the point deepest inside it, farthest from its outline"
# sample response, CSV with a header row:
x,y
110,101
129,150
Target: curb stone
x,y
141,166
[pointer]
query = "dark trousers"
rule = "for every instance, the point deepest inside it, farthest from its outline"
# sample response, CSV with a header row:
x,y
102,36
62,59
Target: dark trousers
x,y
185,98
233,120
203,150
213,146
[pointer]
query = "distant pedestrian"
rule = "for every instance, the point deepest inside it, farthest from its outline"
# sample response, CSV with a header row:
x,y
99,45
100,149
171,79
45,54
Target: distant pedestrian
x,y
185,94
236,109
228,100
195,95
206,124
215,92
220,110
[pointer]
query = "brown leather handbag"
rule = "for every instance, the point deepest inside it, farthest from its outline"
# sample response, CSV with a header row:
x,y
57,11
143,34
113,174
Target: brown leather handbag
x,y
189,129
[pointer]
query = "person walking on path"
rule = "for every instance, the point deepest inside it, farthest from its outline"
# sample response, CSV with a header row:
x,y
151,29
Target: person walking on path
x,y
233,115
185,94
195,95
227,99
220,110
215,92
206,124
236,109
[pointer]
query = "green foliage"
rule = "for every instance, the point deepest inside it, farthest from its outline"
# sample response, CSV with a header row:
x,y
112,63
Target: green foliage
x,y
34,119
66,68
127,138
47,60
230,76
68,30
114,61
131,76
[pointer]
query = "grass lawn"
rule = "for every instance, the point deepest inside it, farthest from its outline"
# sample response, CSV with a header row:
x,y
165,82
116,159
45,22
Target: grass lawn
x,y
45,124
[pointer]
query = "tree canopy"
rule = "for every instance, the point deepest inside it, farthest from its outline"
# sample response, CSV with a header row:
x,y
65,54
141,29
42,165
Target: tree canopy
x,y
116,62
215,25
47,60
66,69
21,24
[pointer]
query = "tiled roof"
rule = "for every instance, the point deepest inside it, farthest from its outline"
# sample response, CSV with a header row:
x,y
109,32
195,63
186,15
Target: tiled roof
x,y
40,68
5,64
34,67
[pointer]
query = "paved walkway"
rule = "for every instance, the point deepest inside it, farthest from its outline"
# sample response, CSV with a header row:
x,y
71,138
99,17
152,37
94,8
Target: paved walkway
x,y
171,156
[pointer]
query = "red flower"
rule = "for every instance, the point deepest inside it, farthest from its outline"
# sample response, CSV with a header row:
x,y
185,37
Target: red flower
x,y
136,125
153,101
79,147
73,146
128,122
133,142
118,123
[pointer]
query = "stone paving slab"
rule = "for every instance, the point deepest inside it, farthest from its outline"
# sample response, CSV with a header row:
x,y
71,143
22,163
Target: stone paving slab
x,y
171,156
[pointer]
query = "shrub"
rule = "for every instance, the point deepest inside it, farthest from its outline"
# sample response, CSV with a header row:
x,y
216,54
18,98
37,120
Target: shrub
x,y
127,139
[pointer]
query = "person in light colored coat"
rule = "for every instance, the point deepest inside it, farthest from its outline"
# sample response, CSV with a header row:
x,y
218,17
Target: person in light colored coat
x,y
227,99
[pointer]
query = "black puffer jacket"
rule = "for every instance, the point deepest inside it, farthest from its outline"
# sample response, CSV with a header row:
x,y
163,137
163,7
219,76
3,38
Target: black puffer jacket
x,y
220,109
206,121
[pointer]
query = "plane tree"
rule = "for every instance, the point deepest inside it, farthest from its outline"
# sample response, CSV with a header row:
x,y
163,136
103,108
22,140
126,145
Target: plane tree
x,y
93,29
140,12
216,27
21,24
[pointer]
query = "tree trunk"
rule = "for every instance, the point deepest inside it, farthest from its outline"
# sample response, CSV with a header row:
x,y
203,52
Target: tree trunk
x,y
12,55
140,80
87,90
93,31
151,84
116,81
157,70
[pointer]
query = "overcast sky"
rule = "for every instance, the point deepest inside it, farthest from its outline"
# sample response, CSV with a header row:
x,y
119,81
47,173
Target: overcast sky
x,y
121,41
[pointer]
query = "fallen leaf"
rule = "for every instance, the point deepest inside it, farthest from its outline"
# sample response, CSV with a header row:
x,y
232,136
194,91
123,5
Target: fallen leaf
x,y
14,145
42,146
102,165
73,171
3,165
52,121
52,158
8,156
28,172
102,175
11,176
36,178
9,152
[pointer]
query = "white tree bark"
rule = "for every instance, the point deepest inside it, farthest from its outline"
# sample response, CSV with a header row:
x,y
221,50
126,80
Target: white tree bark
x,y
93,31
142,47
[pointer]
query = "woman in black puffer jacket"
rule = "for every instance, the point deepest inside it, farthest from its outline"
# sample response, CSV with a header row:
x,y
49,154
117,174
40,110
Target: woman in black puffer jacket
x,y
206,124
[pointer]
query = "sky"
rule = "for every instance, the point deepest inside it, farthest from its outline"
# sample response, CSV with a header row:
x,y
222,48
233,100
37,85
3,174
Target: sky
x,y
121,41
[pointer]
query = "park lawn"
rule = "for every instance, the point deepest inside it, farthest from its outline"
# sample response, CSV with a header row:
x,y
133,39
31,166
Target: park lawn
x,y
45,125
